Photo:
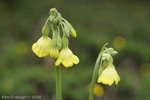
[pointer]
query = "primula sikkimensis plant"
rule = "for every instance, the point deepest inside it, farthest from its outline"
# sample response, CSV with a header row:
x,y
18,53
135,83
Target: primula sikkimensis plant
x,y
57,47
105,68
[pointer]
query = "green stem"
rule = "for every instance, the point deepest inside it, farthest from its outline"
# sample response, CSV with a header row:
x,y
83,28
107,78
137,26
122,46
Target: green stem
x,y
95,73
58,83
46,21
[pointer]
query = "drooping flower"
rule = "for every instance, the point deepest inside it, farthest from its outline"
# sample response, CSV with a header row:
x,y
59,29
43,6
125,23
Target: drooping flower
x,y
42,47
54,51
109,75
67,58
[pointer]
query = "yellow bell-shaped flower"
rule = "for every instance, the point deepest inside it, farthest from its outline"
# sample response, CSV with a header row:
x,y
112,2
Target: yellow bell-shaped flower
x,y
54,52
67,58
109,75
42,47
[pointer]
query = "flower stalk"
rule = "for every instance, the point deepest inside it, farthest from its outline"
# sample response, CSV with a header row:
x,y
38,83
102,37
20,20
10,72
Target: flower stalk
x,y
58,83
95,73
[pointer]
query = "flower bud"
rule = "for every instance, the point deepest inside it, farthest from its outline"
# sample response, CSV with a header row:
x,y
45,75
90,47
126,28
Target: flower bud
x,y
72,30
105,56
52,19
53,12
58,18
73,33
111,51
66,30
108,50
114,53
55,17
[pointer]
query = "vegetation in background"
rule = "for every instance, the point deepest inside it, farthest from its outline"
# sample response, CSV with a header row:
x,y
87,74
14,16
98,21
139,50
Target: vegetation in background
x,y
125,24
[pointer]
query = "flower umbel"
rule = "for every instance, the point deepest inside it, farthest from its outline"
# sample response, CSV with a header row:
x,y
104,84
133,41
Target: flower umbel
x,y
42,47
108,76
67,58
45,46
107,72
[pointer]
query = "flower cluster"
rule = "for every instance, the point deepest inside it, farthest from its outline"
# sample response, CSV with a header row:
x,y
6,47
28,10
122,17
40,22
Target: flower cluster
x,y
57,47
107,72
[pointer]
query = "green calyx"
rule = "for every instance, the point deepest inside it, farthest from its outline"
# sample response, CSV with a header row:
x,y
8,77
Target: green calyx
x,y
59,41
54,42
56,35
45,30
65,42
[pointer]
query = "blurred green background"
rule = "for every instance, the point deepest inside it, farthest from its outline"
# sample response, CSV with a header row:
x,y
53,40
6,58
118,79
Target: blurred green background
x,y
125,25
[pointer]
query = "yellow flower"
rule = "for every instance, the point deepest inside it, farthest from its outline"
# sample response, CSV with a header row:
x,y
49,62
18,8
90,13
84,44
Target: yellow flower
x,y
54,52
108,76
67,58
42,47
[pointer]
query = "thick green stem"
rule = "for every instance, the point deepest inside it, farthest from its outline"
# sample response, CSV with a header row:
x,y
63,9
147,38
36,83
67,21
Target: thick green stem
x,y
58,83
95,73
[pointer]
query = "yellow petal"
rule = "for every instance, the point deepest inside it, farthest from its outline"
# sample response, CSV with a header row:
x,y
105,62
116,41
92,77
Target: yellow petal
x,y
54,52
75,59
108,76
42,46
67,63
67,58
58,61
